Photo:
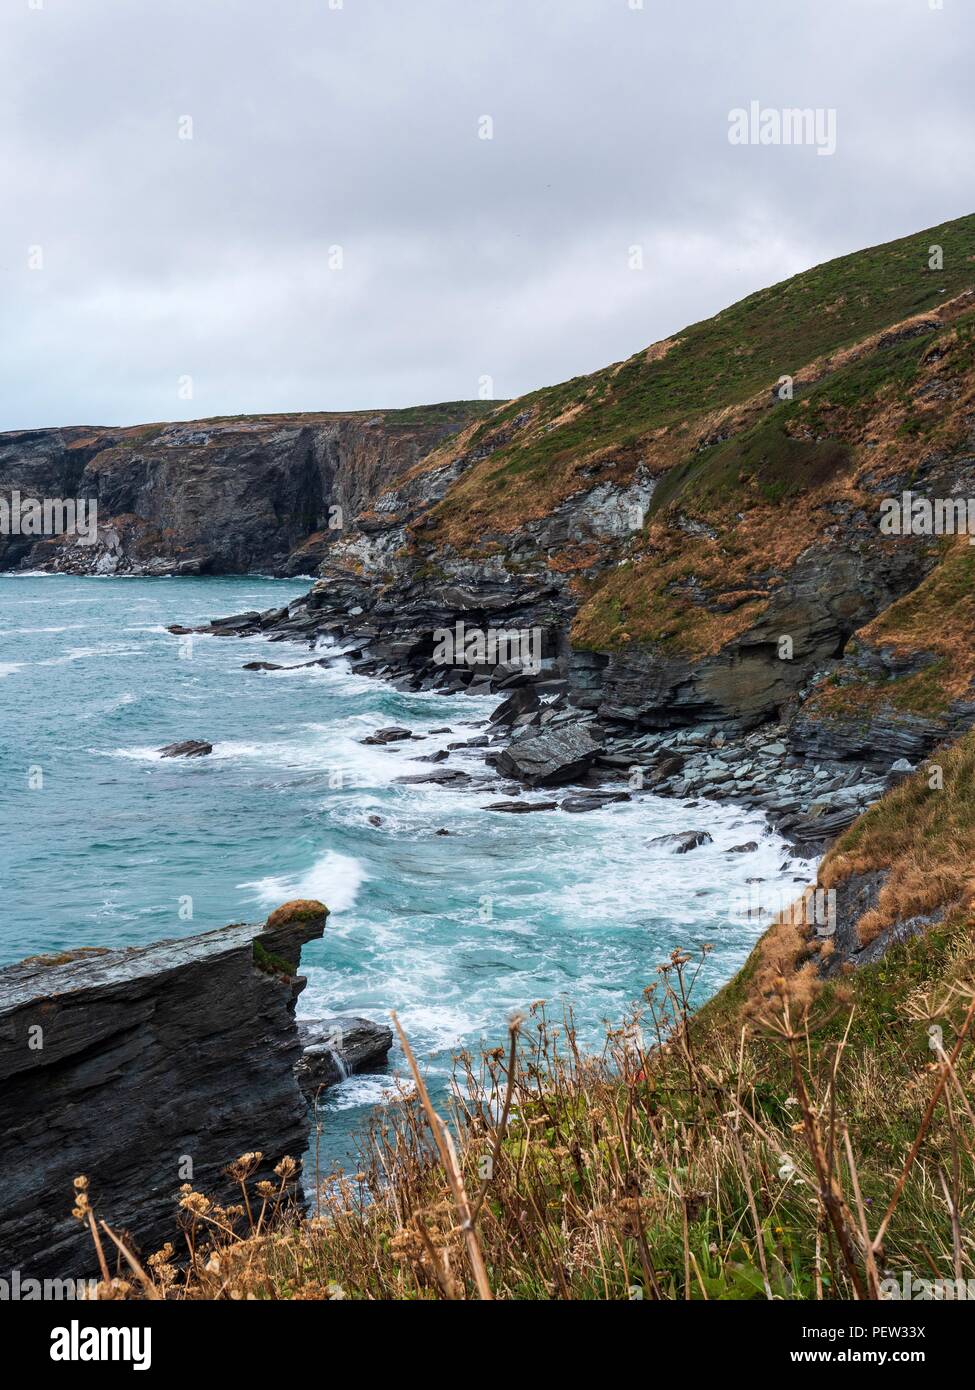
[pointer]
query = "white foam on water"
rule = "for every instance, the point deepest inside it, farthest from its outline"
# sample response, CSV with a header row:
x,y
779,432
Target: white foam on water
x,y
364,1089
7,668
122,701
139,755
37,631
83,654
333,879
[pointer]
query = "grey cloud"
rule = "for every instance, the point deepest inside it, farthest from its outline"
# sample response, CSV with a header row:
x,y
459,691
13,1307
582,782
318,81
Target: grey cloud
x,y
462,258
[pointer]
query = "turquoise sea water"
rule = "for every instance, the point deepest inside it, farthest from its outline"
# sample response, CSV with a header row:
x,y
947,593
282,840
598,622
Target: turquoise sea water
x,y
454,932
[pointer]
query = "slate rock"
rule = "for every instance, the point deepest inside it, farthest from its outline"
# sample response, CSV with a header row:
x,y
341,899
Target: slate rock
x,y
593,801
190,748
334,1048
187,1046
550,758
682,842
391,735
517,808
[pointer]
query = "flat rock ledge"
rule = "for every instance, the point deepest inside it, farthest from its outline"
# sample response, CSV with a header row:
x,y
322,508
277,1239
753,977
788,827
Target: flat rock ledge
x,y
143,1069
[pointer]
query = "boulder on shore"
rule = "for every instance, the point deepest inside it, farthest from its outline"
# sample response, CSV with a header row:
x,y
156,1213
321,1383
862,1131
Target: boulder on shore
x,y
593,800
523,700
682,842
520,808
545,760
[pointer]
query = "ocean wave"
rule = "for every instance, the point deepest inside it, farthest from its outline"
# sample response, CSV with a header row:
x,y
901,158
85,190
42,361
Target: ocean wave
x,y
127,697
334,879
34,574
139,755
37,631
83,654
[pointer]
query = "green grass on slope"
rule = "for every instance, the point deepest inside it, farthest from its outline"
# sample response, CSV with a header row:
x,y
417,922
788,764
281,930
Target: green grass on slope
x,y
454,413
781,464
749,345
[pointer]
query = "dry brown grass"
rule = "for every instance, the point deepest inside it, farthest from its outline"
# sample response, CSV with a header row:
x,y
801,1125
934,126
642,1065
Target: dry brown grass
x,y
922,834
688,1162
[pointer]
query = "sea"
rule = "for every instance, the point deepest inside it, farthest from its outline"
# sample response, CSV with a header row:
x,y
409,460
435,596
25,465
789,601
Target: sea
x,y
105,843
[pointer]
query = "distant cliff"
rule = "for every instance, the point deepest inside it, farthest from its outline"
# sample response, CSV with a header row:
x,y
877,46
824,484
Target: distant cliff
x,y
219,496
143,1069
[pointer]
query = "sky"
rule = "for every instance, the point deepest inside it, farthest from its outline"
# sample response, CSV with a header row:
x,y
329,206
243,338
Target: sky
x,y
214,207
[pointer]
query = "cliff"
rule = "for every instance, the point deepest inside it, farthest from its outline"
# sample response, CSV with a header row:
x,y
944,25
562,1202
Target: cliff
x,y
697,531
215,496
143,1069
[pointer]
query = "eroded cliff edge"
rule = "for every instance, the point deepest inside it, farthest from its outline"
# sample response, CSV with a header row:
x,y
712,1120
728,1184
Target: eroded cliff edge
x,y
143,1069
221,496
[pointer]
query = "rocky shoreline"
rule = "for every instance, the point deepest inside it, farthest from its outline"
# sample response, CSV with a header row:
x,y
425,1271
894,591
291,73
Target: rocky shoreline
x,y
546,734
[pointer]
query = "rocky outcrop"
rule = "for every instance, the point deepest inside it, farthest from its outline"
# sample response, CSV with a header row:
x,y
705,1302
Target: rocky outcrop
x,y
189,748
878,736
548,759
822,601
335,1048
840,916
683,841
272,493
143,1069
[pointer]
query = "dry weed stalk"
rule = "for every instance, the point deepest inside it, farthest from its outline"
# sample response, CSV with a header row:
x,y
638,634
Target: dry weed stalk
x,y
676,1164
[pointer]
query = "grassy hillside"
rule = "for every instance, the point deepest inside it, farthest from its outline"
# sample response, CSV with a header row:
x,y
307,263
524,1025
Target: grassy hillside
x,y
776,486
654,404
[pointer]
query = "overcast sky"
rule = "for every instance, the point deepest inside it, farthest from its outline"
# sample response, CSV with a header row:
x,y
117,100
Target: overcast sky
x,y
136,265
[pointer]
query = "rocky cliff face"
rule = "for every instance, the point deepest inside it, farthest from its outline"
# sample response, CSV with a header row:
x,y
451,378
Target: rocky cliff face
x,y
697,531
695,538
216,496
143,1069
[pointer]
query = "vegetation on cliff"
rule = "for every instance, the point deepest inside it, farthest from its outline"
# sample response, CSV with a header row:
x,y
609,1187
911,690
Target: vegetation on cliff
x,y
808,1134
661,403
